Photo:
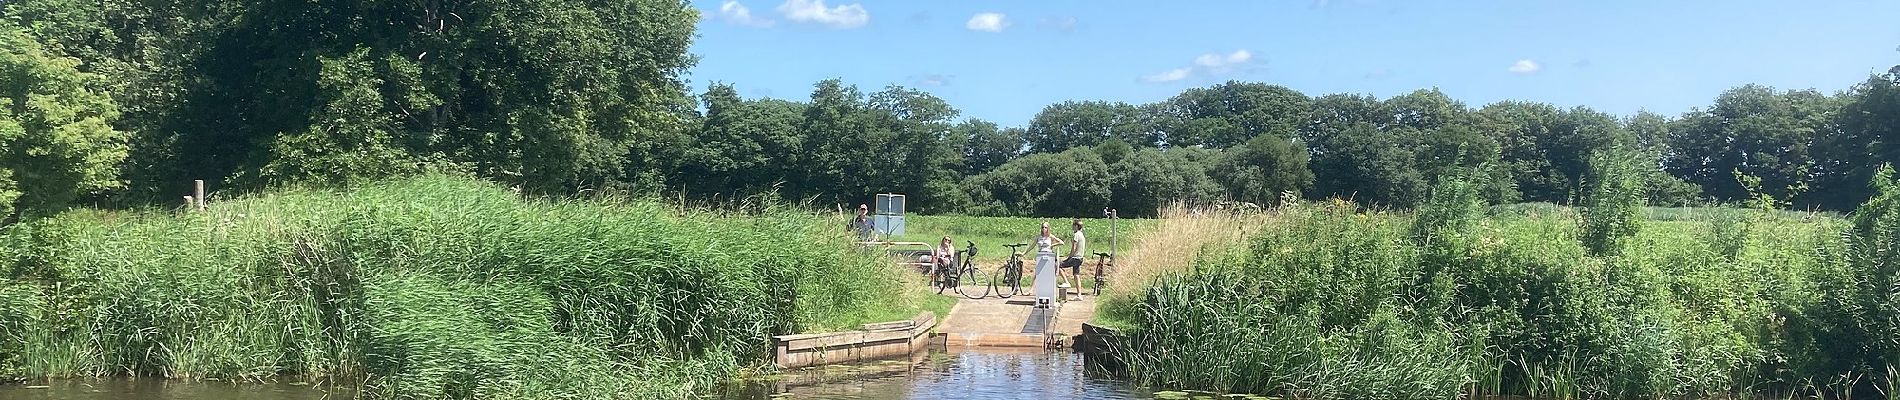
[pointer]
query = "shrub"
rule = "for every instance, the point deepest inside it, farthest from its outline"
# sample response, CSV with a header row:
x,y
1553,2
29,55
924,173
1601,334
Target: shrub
x,y
1612,204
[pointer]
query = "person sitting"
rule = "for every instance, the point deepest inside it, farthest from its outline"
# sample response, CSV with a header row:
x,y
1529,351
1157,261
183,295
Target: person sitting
x,y
943,258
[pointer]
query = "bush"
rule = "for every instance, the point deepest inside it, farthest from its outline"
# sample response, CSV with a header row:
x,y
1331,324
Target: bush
x,y
1612,204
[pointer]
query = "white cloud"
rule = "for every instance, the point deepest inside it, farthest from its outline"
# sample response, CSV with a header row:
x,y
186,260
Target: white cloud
x,y
1212,60
931,79
733,12
987,22
814,11
1059,24
1210,63
1525,66
1169,75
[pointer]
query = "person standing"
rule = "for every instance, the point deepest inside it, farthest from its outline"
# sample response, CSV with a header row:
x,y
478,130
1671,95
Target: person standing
x,y
861,225
1046,244
1078,253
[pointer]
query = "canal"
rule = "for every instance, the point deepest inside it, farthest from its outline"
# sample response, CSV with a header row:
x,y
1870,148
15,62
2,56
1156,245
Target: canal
x,y
954,374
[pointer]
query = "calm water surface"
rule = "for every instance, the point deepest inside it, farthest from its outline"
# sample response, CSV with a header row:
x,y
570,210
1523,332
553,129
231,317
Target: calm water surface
x,y
159,389
961,375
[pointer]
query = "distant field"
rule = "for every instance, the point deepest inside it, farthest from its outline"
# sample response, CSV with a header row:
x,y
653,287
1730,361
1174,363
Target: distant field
x,y
991,233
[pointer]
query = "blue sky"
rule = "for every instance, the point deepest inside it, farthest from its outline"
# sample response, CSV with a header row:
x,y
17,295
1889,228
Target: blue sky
x,y
1004,60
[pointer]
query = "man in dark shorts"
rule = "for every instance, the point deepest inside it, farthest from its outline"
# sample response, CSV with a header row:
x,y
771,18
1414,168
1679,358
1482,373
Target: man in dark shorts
x,y
1078,250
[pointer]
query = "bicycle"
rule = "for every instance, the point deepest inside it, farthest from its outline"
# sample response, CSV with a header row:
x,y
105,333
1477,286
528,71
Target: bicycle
x,y
1103,262
1008,280
965,278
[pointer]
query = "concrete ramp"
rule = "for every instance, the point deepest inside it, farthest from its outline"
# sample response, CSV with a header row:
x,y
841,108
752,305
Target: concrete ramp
x,y
1014,322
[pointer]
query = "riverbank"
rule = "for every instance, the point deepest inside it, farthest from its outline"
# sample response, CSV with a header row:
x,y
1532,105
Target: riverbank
x,y
433,287
1328,300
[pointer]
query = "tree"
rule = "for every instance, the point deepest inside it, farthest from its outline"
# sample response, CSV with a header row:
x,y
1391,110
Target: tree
x,y
985,146
1263,168
1231,113
56,138
1751,130
349,140
1426,109
742,146
837,150
1073,124
921,157
1334,113
1149,179
548,96
1067,184
1545,148
1868,136
1370,166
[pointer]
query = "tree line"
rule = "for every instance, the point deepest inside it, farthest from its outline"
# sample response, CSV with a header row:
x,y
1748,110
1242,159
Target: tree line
x,y
121,102
1263,144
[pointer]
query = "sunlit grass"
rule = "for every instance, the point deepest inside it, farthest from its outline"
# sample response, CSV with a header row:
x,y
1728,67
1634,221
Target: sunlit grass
x,y
435,287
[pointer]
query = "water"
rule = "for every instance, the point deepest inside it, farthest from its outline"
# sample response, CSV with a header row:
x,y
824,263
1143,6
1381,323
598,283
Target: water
x,y
962,375
985,374
160,389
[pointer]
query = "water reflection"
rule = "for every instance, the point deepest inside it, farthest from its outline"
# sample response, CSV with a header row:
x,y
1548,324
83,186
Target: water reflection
x,y
986,374
160,389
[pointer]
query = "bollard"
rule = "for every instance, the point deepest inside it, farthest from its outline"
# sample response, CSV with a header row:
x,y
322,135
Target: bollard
x,y
198,192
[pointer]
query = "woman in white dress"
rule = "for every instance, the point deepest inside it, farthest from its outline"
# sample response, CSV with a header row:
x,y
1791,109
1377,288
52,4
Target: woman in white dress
x,y
1046,244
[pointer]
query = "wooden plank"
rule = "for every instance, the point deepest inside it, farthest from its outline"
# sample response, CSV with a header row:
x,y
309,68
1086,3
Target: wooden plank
x,y
890,326
856,339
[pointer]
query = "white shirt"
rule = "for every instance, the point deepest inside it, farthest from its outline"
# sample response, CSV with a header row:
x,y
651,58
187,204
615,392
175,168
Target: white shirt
x,y
1045,244
1078,248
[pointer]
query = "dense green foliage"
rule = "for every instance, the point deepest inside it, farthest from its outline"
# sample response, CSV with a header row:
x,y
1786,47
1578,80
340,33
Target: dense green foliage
x,y
564,97
543,95
56,138
1328,301
432,288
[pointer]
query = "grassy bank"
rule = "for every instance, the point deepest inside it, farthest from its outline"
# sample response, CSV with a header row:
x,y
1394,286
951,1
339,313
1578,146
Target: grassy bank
x,y
1332,301
992,233
432,288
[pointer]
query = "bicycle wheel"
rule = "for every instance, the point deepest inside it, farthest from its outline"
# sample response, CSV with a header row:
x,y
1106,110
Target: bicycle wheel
x,y
941,280
1016,276
1101,278
970,283
1009,280
999,283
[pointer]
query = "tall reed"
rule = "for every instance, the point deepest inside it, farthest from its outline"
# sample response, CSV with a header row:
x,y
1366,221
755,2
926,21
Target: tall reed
x,y
433,287
1327,300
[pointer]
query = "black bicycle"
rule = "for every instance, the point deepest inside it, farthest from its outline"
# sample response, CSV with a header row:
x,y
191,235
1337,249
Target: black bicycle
x,y
1103,263
964,278
1009,277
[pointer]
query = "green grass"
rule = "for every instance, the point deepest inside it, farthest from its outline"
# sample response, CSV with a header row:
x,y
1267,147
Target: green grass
x,y
992,233
1326,301
434,287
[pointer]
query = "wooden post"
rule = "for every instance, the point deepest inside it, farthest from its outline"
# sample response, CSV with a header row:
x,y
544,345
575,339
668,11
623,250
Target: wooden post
x,y
198,192
190,202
